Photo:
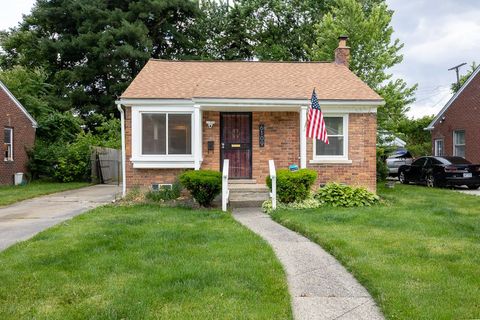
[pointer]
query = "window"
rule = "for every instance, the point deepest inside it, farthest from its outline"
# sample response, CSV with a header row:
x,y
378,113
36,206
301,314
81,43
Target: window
x,y
419,162
337,130
439,147
8,144
166,134
459,143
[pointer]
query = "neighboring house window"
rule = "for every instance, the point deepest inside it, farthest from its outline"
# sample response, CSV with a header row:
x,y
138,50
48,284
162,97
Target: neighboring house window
x,y
439,149
459,143
8,143
166,134
337,130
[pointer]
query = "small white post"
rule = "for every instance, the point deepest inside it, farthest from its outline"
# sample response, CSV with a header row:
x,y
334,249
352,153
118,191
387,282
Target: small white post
x,y
225,191
273,177
303,136
197,137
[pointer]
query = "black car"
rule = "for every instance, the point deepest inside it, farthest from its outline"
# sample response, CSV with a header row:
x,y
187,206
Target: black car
x,y
440,172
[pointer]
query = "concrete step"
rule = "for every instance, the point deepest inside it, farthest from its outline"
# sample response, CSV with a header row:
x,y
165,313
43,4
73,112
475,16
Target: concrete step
x,y
242,181
248,188
248,195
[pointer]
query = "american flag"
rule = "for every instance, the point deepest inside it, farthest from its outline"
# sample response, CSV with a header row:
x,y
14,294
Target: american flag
x,y
316,127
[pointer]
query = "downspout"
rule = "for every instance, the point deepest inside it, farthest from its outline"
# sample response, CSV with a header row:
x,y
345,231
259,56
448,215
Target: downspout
x,y
122,123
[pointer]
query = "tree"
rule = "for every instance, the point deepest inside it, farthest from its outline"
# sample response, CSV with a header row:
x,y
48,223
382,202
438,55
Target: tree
x,y
92,49
30,88
373,52
419,140
457,85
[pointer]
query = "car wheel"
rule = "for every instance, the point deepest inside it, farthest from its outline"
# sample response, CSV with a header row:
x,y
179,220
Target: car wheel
x,y
431,181
402,178
474,187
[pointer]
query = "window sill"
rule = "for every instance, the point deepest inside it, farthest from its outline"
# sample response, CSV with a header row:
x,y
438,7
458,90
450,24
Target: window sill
x,y
330,161
8,160
164,163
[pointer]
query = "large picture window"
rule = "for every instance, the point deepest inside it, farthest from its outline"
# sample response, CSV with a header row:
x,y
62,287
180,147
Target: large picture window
x,y
8,144
459,143
166,134
337,127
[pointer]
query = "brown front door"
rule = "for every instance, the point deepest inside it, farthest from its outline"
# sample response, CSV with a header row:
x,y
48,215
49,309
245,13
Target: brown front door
x,y
236,143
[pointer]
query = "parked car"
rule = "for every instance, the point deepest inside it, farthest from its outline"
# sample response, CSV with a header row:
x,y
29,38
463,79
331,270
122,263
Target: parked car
x,y
397,159
441,171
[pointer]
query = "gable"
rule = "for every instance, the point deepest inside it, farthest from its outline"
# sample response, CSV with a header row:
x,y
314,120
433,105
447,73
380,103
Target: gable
x,y
469,93
17,103
162,79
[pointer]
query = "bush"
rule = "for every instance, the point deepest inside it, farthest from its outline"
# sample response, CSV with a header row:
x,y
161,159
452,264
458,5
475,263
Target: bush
x,y
165,193
382,169
293,185
309,203
338,195
204,185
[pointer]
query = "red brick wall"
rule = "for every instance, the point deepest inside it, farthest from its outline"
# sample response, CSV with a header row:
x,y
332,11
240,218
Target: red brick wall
x,y
362,138
463,114
23,138
282,144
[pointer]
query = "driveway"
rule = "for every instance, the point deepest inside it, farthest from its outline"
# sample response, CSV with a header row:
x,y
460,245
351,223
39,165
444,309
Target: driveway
x,y
24,219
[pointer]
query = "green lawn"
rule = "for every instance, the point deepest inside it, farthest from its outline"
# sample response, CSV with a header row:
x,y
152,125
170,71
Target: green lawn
x,y
143,262
418,254
12,194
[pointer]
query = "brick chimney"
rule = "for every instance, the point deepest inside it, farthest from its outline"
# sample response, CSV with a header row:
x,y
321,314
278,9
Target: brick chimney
x,y
342,53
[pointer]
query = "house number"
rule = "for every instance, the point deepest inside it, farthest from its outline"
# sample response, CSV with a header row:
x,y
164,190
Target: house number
x,y
261,135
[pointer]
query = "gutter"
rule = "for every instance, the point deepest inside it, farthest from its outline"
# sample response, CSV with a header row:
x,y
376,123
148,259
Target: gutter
x,y
122,121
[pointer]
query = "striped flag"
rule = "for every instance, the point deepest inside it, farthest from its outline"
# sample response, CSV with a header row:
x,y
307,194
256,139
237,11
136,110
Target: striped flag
x,y
315,123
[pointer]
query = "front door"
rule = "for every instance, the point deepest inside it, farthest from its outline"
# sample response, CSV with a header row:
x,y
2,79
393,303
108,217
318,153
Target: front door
x,y
236,143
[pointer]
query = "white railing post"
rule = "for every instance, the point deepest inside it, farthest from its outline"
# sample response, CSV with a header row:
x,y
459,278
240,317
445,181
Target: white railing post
x,y
225,191
273,177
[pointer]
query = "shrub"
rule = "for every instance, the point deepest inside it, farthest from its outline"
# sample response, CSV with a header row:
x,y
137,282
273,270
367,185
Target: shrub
x,y
204,185
338,195
165,193
309,203
293,185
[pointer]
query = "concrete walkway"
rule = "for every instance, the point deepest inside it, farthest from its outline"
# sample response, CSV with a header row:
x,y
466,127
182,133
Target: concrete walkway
x,y
320,287
24,219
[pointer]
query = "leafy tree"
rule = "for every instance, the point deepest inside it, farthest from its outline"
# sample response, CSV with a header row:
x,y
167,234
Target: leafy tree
x,y
368,25
223,32
419,141
30,88
457,85
92,49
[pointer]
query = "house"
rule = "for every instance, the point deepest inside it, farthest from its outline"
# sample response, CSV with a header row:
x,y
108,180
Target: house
x,y
455,129
17,134
194,114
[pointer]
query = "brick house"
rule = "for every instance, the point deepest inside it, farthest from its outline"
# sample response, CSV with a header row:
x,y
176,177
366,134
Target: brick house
x,y
194,114
17,134
455,129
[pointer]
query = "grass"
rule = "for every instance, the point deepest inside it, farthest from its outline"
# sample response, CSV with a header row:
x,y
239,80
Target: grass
x,y
143,262
12,194
418,254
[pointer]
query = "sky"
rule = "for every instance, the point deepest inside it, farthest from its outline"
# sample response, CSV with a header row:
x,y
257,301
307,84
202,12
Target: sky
x,y
437,34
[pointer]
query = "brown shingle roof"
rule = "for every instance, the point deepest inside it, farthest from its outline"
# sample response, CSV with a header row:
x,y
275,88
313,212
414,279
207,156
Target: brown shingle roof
x,y
164,79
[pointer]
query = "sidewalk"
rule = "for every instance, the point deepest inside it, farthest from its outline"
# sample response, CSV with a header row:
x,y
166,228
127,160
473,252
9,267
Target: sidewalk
x,y
321,288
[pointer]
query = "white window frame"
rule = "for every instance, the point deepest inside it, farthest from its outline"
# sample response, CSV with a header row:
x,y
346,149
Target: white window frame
x,y
455,145
436,153
329,158
11,143
141,160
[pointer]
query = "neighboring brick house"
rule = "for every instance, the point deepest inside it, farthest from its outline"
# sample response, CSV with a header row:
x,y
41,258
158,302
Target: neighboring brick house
x,y
17,135
456,128
193,114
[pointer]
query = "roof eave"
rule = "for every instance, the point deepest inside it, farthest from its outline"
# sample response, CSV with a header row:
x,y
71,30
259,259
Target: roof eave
x,y
431,126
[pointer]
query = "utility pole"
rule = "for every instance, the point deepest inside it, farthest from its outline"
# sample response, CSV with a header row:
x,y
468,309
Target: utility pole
x,y
456,70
